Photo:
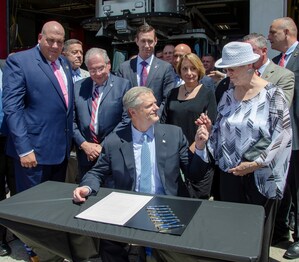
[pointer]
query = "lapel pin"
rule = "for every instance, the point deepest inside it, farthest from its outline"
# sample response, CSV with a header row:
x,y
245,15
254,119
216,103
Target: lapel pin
x,y
163,141
67,68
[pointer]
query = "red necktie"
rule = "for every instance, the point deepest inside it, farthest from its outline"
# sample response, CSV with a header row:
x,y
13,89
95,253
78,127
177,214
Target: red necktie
x,y
94,106
257,72
59,77
143,75
282,60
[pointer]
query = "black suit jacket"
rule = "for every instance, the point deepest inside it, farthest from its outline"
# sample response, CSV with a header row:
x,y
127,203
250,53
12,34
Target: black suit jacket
x,y
115,167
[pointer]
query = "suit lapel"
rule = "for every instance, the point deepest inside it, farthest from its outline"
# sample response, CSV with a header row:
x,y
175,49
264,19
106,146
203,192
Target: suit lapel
x,y
153,69
44,65
70,83
127,151
269,70
133,71
107,88
276,59
161,149
293,58
88,86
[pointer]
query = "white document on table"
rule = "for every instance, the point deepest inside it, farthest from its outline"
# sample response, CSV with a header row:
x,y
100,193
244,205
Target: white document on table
x,y
116,208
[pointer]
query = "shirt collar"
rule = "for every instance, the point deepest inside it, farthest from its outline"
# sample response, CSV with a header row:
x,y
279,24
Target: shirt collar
x,y
137,135
262,68
149,60
291,48
76,72
103,85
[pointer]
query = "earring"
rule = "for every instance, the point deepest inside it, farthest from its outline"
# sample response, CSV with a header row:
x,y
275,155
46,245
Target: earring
x,y
250,71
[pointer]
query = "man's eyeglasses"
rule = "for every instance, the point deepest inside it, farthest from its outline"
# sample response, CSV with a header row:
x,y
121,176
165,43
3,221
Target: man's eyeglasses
x,y
100,69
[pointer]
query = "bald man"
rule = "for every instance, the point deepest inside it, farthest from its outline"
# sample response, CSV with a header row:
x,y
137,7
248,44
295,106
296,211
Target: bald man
x,y
38,104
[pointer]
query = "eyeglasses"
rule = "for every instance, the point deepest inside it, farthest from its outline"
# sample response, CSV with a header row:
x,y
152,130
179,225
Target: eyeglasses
x,y
94,71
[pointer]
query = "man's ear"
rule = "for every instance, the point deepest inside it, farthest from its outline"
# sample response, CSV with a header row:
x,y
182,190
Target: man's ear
x,y
131,112
109,65
39,38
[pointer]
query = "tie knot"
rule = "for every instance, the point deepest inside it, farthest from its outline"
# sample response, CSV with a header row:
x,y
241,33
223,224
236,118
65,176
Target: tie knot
x,y
53,65
257,72
144,137
143,63
95,92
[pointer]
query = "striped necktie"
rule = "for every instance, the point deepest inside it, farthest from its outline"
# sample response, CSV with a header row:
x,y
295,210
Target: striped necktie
x,y
59,77
94,107
143,75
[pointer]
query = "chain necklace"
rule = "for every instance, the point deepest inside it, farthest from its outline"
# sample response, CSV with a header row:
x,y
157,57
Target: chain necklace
x,y
187,92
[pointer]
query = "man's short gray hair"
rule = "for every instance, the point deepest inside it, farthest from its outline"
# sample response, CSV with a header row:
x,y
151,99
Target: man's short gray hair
x,y
96,51
132,99
259,39
70,42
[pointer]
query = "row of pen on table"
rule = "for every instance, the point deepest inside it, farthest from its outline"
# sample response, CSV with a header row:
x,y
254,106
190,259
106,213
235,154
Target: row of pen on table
x,y
163,217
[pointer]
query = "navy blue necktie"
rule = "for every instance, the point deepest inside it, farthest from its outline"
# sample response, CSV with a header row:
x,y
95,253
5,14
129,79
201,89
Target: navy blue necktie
x,y
146,168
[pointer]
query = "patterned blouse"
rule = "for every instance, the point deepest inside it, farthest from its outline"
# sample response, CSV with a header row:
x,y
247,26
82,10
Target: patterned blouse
x,y
258,129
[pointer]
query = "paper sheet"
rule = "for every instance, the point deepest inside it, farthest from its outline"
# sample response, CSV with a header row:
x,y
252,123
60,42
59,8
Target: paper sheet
x,y
116,208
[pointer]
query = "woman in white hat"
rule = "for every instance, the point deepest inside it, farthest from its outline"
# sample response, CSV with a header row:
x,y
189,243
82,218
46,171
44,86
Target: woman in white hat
x,y
251,138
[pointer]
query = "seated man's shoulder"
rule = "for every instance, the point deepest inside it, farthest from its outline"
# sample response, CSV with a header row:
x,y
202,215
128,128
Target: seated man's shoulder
x,y
170,128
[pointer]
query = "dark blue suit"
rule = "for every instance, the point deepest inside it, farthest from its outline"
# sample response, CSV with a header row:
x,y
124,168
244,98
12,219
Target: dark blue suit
x,y
115,168
37,116
110,115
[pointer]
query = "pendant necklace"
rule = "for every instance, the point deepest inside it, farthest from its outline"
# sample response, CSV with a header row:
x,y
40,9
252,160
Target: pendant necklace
x,y
187,92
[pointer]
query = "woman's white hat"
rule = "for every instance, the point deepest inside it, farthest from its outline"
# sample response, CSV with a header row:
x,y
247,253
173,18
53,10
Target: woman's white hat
x,y
236,54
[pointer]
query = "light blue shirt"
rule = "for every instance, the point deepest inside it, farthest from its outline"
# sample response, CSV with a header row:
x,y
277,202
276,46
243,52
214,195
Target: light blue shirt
x,y
263,67
289,53
76,75
156,187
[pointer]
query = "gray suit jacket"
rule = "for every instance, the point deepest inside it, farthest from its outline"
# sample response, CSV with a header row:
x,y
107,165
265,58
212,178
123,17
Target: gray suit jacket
x,y
84,73
293,65
281,77
161,77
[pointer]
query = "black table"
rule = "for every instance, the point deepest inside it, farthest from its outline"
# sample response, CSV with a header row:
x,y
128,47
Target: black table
x,y
218,231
